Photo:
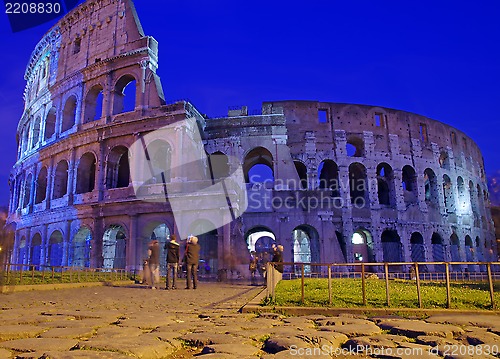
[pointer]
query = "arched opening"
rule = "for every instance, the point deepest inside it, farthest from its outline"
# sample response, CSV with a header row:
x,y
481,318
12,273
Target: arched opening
x,y
444,160
305,246
417,247
261,240
463,201
41,186
258,166
469,249
36,250
93,104
69,114
36,132
455,251
328,175
355,147
160,155
50,124
302,173
80,248
209,251
409,182
437,251
22,251
219,165
431,190
56,249
391,247
27,191
449,196
85,176
161,233
60,180
25,138
362,246
358,185
114,247
385,182
479,252
124,95
474,204
118,169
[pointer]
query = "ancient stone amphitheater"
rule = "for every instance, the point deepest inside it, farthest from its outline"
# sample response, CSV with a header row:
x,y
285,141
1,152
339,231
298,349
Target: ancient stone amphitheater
x,y
332,182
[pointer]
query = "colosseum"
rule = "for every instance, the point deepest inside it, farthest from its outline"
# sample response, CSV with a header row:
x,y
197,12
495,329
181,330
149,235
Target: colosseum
x,y
331,182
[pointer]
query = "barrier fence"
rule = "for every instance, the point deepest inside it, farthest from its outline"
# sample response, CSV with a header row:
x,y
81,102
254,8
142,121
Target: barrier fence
x,y
19,274
407,271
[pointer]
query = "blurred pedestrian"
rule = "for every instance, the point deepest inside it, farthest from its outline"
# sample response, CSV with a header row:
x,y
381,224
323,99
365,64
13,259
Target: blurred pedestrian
x,y
172,249
191,258
154,262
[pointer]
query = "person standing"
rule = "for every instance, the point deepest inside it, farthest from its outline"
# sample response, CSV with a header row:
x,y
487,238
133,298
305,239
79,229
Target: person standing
x,y
191,258
172,249
278,258
154,262
253,266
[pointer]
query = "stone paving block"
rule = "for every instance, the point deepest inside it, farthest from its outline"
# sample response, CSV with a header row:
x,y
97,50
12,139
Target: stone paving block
x,y
68,333
39,344
86,354
72,323
5,354
479,336
203,339
415,328
376,341
236,349
114,331
353,330
478,320
299,322
9,332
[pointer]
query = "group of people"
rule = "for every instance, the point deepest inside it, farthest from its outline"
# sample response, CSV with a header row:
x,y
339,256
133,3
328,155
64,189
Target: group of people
x,y
258,263
191,258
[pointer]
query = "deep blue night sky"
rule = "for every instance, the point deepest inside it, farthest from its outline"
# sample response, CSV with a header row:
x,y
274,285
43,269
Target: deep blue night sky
x,y
440,59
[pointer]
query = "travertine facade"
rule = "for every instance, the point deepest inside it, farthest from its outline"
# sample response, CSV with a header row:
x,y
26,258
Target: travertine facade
x,y
344,182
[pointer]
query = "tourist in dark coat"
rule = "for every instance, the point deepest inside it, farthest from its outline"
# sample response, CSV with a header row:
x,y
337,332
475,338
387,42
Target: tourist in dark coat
x,y
172,249
278,258
154,262
191,258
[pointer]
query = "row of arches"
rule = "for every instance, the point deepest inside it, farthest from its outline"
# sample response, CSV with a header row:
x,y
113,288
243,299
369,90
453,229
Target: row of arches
x,y
38,129
35,188
83,249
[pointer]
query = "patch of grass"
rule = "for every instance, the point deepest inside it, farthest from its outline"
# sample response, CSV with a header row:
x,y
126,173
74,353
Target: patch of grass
x,y
49,277
347,293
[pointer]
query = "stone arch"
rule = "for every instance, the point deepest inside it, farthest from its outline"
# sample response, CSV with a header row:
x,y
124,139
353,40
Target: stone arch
x,y
391,246
60,180
35,138
455,250
258,166
160,232
25,138
302,174
462,195
118,168
55,251
444,160
41,186
409,183
93,104
85,174
27,190
358,184
449,196
79,255
469,249
355,146
114,247
385,185
328,177
417,247
50,123
254,234
208,239
306,244
474,204
36,250
69,113
362,245
218,165
22,251
125,94
431,189
160,155
438,254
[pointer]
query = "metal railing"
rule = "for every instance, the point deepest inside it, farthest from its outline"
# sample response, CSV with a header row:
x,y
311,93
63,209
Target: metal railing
x,y
488,272
21,274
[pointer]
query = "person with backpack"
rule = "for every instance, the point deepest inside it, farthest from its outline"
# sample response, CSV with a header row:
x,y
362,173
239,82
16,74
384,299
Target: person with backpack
x,y
191,258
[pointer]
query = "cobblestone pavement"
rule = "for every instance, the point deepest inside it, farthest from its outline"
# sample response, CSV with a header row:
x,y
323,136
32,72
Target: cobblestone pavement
x,y
135,322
